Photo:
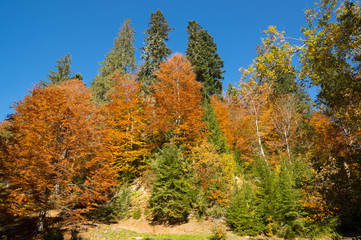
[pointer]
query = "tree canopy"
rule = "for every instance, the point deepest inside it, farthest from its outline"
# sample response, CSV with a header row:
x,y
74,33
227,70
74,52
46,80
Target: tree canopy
x,y
207,64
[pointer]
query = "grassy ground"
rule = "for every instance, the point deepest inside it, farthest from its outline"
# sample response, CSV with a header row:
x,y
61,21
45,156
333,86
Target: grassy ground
x,y
109,233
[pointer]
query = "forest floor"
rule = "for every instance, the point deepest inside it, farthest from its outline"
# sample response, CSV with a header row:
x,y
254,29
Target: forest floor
x,y
132,229
143,229
124,229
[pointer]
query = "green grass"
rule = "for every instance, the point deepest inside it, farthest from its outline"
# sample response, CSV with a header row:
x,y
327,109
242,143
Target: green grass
x,y
106,232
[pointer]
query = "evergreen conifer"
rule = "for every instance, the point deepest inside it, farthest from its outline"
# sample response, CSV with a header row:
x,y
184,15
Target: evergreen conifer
x,y
62,74
171,195
241,214
155,49
120,59
206,62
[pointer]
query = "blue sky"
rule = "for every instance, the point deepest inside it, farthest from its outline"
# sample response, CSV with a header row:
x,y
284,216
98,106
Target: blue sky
x,y
34,34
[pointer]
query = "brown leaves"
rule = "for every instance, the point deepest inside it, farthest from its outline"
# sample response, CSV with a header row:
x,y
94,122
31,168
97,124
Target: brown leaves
x,y
175,105
125,125
58,159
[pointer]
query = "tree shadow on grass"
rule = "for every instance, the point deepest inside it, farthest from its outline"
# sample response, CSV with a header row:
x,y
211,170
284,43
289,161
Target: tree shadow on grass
x,y
24,228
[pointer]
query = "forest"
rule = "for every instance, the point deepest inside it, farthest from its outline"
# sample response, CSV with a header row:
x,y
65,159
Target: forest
x,y
261,154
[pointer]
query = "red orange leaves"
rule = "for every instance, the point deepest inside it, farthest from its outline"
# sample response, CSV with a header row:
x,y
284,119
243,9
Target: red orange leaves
x,y
58,159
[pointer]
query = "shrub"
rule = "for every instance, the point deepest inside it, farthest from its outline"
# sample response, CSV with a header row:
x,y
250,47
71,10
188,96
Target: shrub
x,y
137,213
118,207
219,233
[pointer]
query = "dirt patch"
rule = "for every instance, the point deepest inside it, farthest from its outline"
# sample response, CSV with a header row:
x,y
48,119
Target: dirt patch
x,y
193,227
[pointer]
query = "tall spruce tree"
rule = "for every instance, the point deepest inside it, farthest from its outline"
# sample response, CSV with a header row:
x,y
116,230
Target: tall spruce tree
x,y
62,74
172,193
215,133
120,59
155,49
289,208
206,62
242,215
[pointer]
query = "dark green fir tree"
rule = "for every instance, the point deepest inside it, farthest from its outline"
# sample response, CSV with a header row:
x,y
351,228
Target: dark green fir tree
x,y
241,214
155,49
206,62
171,195
120,59
62,74
289,208
216,136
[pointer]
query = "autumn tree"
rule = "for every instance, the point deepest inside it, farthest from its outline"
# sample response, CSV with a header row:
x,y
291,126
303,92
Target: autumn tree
x,y
120,59
286,122
223,117
331,60
213,173
125,124
207,64
175,111
235,124
155,50
269,90
320,199
338,173
273,62
256,101
58,159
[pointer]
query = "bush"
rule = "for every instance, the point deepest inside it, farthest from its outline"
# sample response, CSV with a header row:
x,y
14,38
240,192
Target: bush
x,y
54,235
137,213
219,233
118,207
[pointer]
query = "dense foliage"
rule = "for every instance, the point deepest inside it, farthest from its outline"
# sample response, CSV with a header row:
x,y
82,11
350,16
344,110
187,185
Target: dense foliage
x,y
262,156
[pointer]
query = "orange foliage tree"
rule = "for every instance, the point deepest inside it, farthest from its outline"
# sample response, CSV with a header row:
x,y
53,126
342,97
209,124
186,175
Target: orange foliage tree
x,y
235,124
331,160
329,141
175,111
58,159
255,100
224,119
125,124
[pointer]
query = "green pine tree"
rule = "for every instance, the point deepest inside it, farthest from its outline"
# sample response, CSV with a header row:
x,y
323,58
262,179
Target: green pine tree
x,y
207,64
216,136
121,59
155,49
289,209
266,196
171,195
62,74
77,76
241,214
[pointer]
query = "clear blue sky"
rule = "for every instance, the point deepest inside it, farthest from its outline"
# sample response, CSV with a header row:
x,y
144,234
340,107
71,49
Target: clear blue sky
x,y
34,34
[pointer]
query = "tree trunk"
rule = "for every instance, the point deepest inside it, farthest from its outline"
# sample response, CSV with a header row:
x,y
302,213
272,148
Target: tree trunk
x,y
287,145
41,221
260,142
42,215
